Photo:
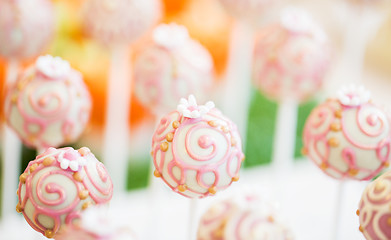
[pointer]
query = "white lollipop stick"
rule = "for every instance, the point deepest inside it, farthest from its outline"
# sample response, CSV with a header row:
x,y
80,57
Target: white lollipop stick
x,y
116,131
11,154
236,95
193,223
338,210
285,135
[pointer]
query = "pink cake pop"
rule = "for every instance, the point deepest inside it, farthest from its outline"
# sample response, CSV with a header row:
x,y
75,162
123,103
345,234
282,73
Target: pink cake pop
x,y
58,185
374,209
196,150
49,105
242,217
173,66
348,137
97,223
291,57
119,21
26,27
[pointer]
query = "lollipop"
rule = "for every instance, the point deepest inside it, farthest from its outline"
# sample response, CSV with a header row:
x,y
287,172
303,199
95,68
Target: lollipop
x,y
196,150
173,66
49,105
348,137
96,223
20,21
119,21
58,185
291,57
374,209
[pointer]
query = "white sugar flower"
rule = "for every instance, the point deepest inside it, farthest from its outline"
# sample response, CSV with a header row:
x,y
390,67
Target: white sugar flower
x,y
296,20
69,159
53,67
353,95
170,35
190,109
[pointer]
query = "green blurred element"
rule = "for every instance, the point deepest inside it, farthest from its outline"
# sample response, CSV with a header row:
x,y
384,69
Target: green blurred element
x,y
261,126
303,113
260,130
138,173
28,154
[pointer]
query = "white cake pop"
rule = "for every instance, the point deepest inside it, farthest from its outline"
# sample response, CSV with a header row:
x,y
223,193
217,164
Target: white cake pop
x,y
348,137
196,150
26,27
58,185
173,66
49,105
291,57
119,21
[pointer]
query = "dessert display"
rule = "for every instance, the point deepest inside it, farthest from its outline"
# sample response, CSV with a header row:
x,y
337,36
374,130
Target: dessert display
x,y
196,150
348,136
172,66
49,105
58,185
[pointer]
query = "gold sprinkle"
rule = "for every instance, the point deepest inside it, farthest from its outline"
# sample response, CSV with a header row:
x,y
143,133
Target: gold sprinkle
x,y
48,161
225,129
358,212
164,146
86,205
389,221
353,172
83,194
182,188
19,208
233,142
84,151
212,190
270,219
169,137
151,153
243,158
379,185
49,233
304,151
33,167
333,142
361,229
324,166
235,179
212,123
335,127
156,173
386,164
78,177
23,177
338,113
175,124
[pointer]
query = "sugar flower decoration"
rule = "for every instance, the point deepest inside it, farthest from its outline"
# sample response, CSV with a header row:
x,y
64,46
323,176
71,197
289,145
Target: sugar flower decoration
x,y
190,109
353,96
52,67
71,159
170,35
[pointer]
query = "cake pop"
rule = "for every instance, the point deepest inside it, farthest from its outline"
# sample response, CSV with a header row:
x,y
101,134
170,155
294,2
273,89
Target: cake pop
x,y
97,223
196,150
119,21
349,136
242,217
58,185
20,21
374,209
291,57
49,105
173,66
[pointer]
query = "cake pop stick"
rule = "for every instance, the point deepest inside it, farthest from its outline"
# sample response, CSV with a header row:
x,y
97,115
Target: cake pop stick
x,y
116,24
11,153
248,13
290,62
19,41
